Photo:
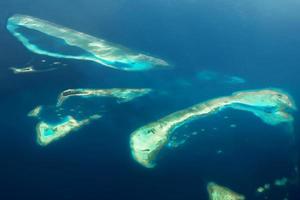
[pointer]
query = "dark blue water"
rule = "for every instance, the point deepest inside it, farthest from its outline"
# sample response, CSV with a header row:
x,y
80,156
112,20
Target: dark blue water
x,y
256,40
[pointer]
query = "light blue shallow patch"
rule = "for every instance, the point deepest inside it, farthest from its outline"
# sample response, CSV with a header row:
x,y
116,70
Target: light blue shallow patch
x,y
48,132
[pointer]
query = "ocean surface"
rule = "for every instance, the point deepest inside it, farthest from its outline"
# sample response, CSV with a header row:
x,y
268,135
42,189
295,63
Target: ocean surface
x,y
255,40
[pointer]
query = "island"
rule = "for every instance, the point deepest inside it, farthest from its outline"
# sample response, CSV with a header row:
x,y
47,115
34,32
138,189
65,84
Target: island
x,y
29,69
272,106
91,48
47,132
122,94
35,112
218,192
67,115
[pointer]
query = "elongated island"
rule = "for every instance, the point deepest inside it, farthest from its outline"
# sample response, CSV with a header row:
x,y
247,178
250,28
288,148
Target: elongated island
x,y
30,69
122,94
273,106
77,45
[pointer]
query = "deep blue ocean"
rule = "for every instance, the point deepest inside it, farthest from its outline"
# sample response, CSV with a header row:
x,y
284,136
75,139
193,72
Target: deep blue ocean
x,y
257,40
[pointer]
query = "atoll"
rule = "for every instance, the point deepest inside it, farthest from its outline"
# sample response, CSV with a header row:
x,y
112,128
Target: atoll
x,y
217,192
68,116
123,95
91,48
47,133
272,106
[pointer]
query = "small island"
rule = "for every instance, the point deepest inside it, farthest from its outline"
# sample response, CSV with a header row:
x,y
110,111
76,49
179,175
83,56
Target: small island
x,y
122,94
29,69
272,106
217,192
47,133
35,112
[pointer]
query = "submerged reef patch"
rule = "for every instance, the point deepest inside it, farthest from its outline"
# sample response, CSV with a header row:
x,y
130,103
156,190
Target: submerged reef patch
x,y
80,46
207,75
234,80
218,192
272,106
280,182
